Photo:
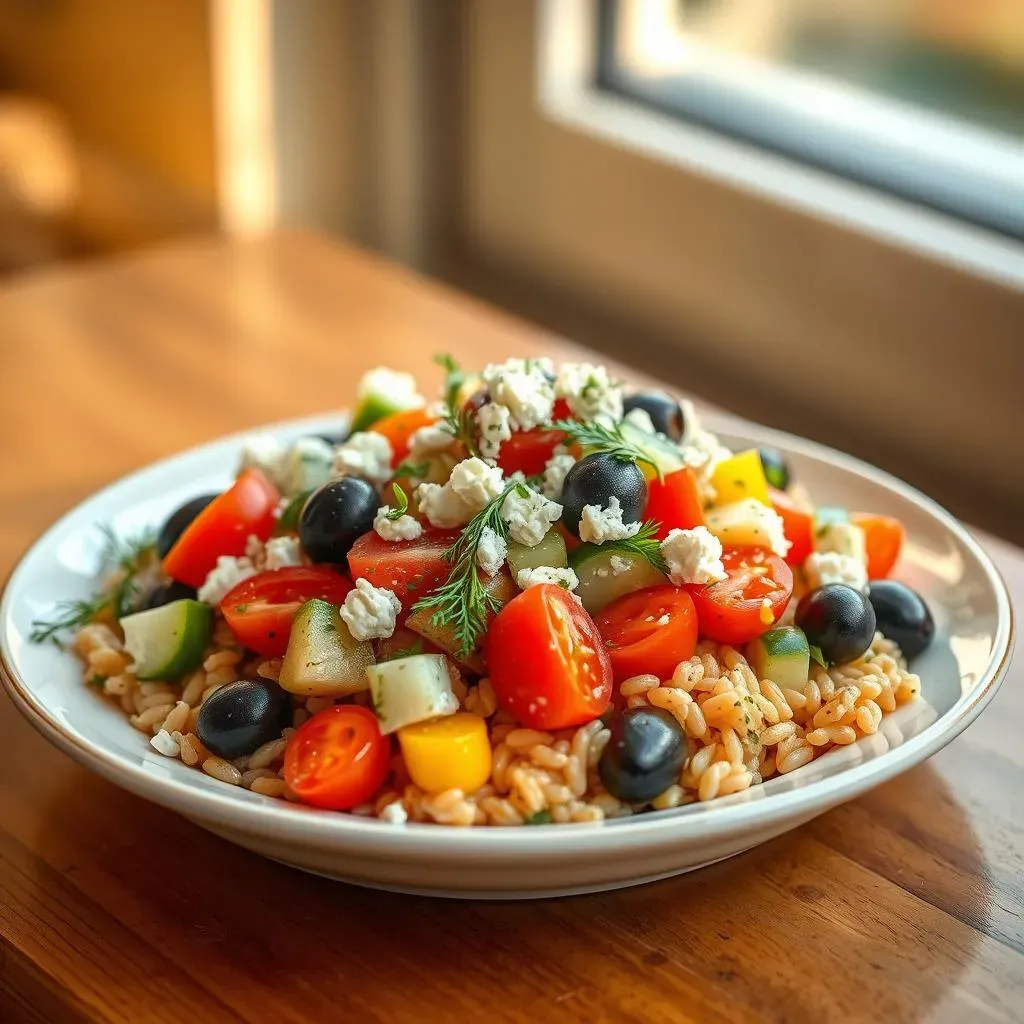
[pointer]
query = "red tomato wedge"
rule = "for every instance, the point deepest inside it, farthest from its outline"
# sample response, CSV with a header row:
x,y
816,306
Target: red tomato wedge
x,y
260,609
527,451
734,611
547,662
674,502
399,427
338,759
884,536
797,524
409,568
649,631
223,527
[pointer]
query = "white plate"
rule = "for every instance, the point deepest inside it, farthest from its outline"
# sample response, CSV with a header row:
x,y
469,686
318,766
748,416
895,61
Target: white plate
x,y
960,674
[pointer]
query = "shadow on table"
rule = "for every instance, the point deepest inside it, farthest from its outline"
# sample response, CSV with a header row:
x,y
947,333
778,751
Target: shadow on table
x,y
805,927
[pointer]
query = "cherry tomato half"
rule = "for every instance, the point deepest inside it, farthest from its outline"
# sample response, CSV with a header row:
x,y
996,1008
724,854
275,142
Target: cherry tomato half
x,y
649,631
409,568
399,427
884,537
338,759
734,611
527,451
674,502
547,662
223,528
797,525
260,610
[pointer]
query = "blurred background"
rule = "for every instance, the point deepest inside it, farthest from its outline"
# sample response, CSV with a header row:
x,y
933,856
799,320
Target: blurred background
x,y
809,213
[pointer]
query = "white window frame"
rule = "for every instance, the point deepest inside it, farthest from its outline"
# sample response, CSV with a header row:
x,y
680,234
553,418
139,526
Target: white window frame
x,y
567,54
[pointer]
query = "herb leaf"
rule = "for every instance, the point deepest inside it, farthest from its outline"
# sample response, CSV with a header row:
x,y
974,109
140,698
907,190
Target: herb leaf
x,y
539,818
643,543
401,504
464,603
606,439
460,421
411,469
817,655
122,557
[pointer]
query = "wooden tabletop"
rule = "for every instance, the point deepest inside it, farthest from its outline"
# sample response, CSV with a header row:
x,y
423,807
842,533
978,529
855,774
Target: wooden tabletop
x,y
906,905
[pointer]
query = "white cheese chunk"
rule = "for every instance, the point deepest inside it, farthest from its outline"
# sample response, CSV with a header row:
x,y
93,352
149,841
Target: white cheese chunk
x,y
522,385
364,454
589,391
555,471
429,440
598,525
370,612
494,422
475,482
394,813
282,553
842,539
405,527
491,551
397,388
822,567
693,556
164,743
529,516
565,578
225,576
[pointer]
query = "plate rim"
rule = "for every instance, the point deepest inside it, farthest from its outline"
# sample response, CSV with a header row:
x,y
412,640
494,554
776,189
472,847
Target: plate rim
x,y
661,828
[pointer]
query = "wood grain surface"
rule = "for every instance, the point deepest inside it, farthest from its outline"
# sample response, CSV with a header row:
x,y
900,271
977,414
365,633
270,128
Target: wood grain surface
x,y
906,905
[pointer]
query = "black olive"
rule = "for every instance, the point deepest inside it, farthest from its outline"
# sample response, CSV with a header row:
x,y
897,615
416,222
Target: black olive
x,y
902,616
837,619
335,515
166,593
644,756
776,470
477,400
666,413
242,716
178,521
596,479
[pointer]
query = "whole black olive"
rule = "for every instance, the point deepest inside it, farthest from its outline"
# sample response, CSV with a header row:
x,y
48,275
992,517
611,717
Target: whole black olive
x,y
179,521
242,716
666,413
597,478
837,619
336,514
902,616
644,756
776,469
166,593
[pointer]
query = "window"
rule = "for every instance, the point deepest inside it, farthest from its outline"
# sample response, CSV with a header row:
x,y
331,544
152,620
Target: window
x,y
923,99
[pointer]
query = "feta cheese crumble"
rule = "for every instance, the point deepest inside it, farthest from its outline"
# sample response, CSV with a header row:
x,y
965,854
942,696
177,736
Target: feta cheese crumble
x,y
598,524
589,391
224,576
619,565
693,556
429,440
821,567
282,553
398,388
565,578
555,471
306,464
494,422
405,527
702,452
490,551
370,612
529,516
364,454
842,539
394,813
264,452
522,385
470,487
164,743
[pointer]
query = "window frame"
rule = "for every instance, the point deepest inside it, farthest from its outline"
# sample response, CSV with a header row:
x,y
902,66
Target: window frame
x,y
569,93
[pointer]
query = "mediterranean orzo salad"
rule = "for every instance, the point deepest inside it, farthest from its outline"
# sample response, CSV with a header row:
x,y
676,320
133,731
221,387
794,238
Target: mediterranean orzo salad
x,y
540,599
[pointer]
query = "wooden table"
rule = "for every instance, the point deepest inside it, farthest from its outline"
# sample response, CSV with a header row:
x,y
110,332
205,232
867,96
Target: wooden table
x,y
903,906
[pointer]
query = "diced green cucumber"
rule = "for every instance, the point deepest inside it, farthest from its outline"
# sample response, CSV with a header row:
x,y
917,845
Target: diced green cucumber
x,y
606,574
549,552
781,655
289,521
409,690
307,465
829,515
168,641
661,451
323,658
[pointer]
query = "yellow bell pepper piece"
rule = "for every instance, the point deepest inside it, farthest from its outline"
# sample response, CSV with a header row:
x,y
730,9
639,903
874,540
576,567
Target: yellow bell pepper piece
x,y
741,476
447,753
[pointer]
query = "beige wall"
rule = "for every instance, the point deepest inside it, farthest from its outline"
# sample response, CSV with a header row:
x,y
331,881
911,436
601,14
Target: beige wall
x,y
773,314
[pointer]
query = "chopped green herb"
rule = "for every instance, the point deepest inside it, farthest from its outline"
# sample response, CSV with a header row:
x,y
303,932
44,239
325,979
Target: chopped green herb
x,y
459,420
643,543
817,655
292,513
599,437
97,680
401,504
539,818
411,469
241,609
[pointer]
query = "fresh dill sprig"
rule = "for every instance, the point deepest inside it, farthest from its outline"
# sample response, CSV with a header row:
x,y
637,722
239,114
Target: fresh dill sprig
x,y
606,439
121,558
643,543
401,504
464,603
459,419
